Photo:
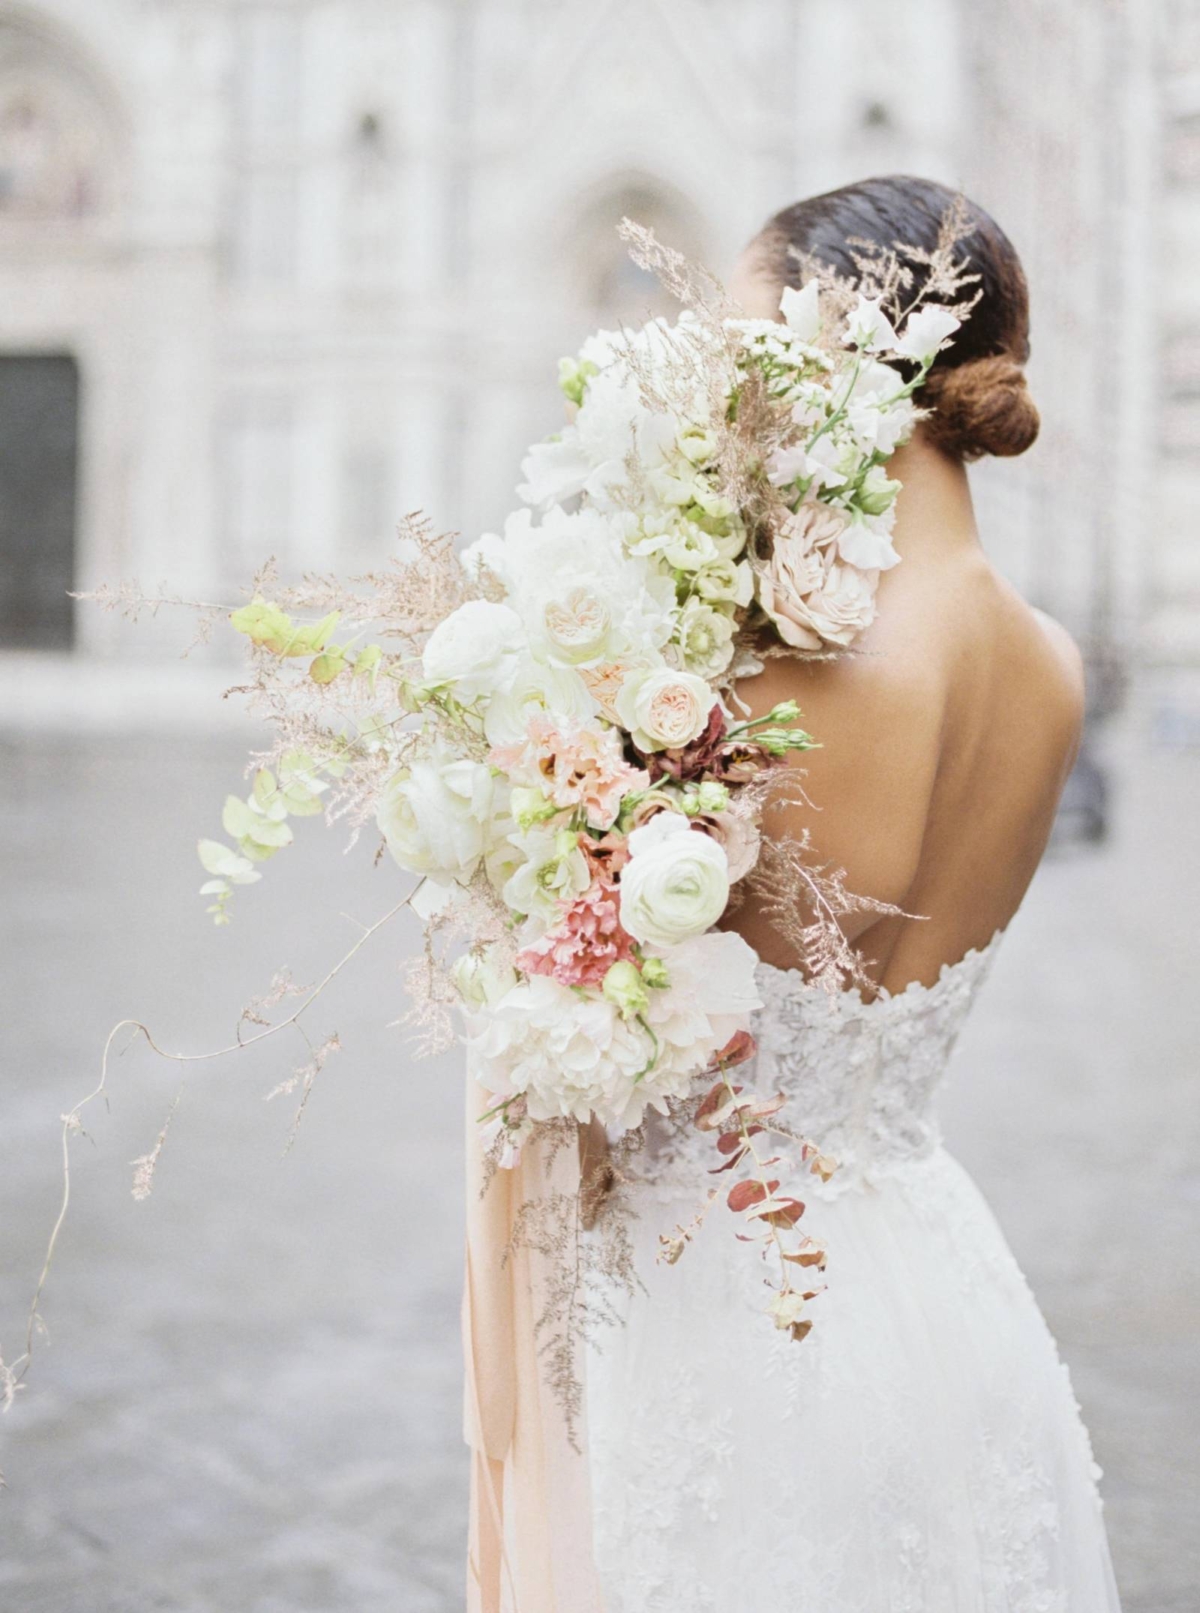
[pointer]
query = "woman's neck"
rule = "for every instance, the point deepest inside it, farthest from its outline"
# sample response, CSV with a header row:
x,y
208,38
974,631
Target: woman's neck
x,y
934,512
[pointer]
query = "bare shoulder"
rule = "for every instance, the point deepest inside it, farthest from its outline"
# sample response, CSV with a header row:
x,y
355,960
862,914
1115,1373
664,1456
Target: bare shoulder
x,y
1056,678
1066,654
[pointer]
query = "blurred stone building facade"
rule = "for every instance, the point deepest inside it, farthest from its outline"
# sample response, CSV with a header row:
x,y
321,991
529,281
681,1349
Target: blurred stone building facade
x,y
273,272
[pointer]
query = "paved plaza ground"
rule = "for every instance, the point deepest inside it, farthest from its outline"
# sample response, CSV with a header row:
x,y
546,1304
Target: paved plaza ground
x,y
248,1402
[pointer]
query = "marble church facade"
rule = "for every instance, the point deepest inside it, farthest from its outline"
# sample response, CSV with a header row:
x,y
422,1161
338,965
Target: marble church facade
x,y
280,270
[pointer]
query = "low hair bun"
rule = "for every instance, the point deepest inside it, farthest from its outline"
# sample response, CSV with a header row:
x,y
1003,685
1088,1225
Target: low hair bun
x,y
980,407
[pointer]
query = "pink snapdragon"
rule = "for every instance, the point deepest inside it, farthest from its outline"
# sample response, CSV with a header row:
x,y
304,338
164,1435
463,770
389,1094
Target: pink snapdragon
x,y
575,767
589,938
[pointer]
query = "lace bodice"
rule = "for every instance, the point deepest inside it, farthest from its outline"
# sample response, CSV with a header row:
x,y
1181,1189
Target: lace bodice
x,y
921,1451
860,1076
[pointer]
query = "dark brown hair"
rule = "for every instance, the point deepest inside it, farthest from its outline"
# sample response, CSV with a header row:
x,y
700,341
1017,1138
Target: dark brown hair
x,y
977,385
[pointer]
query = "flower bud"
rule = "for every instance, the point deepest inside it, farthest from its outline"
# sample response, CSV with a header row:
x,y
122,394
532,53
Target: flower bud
x,y
623,987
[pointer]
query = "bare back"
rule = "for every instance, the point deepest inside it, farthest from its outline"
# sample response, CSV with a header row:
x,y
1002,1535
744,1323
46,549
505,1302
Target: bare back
x,y
946,739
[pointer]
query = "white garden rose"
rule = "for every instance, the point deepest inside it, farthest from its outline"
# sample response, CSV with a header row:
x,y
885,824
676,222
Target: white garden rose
x,y
536,690
675,884
663,709
472,649
437,814
839,605
583,599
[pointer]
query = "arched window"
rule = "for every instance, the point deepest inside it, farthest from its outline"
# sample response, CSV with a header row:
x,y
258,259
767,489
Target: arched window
x,y
612,288
57,140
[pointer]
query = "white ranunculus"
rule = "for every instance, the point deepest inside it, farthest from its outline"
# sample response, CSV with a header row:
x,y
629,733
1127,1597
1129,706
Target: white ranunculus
x,y
536,690
802,310
663,709
675,884
473,648
866,543
436,815
926,333
868,327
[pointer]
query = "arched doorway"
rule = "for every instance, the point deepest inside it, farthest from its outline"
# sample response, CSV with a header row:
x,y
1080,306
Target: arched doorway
x,y
39,438
59,149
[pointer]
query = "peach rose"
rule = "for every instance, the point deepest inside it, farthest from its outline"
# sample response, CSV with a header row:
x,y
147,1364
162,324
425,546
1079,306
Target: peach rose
x,y
812,597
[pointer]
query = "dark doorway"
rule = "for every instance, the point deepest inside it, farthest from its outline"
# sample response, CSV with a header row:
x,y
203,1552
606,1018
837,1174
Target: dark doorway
x,y
39,438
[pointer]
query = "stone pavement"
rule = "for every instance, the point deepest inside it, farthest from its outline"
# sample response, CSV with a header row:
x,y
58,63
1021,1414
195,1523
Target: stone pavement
x,y
249,1399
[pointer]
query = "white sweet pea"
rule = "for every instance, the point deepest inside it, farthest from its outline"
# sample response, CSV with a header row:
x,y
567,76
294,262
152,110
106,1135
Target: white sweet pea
x,y
663,709
868,327
868,545
473,648
436,816
815,465
675,884
802,310
926,333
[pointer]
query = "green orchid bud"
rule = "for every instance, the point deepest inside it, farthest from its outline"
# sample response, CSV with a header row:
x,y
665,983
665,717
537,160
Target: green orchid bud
x,y
624,988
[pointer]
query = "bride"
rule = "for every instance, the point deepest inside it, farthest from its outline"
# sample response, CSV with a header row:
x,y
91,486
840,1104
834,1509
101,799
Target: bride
x,y
922,1450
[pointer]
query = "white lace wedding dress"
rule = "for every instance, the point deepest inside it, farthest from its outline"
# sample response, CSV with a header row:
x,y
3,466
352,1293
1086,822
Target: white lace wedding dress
x,y
921,1451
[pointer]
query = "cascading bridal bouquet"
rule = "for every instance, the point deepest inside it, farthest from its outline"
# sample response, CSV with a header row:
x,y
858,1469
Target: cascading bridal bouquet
x,y
546,729
565,764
